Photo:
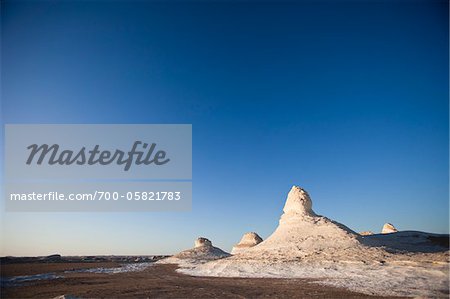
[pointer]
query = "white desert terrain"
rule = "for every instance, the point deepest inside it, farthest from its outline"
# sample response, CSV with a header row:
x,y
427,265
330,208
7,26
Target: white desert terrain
x,y
307,245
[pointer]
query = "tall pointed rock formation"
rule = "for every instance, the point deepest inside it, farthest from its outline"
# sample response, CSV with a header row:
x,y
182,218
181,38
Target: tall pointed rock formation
x,y
301,231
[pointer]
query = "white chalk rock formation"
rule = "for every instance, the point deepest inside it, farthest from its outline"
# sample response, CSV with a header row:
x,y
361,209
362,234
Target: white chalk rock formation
x,y
301,231
366,233
388,229
248,240
202,242
306,245
298,202
203,251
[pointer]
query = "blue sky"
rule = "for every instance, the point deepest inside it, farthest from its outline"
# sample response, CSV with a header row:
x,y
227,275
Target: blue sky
x,y
348,100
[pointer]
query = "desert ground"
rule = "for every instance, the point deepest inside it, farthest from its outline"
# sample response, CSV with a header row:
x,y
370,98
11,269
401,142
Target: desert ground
x,y
307,256
156,281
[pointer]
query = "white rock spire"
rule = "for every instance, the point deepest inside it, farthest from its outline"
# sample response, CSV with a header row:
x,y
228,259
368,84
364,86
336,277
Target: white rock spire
x,y
298,202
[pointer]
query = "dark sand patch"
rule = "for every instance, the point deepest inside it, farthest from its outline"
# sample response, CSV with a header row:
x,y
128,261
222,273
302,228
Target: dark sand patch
x,y
9,270
160,281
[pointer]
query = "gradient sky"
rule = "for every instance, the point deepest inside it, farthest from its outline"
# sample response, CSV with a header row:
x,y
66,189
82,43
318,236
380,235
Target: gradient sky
x,y
346,99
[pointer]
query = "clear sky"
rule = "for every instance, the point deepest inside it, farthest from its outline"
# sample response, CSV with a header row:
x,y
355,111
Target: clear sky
x,y
346,99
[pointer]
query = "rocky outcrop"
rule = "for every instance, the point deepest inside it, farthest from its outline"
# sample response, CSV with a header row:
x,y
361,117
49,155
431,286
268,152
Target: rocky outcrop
x,y
298,203
388,229
202,242
301,231
203,251
307,245
248,240
366,233
53,257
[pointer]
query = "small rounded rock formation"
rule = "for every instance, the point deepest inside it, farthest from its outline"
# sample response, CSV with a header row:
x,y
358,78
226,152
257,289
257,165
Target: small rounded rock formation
x,y
366,233
202,242
248,240
388,229
203,251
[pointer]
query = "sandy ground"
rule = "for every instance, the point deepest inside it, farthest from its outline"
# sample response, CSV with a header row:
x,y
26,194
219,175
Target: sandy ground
x,y
157,281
